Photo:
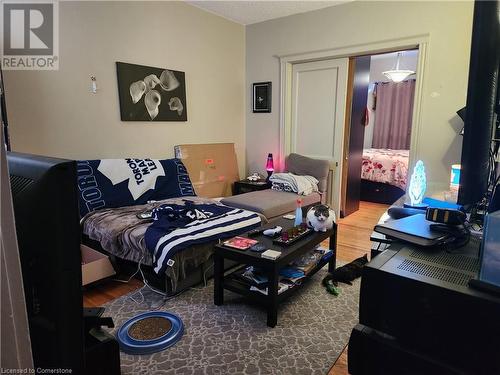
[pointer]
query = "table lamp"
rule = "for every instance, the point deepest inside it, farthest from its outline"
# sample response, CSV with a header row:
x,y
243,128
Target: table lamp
x,y
418,185
269,165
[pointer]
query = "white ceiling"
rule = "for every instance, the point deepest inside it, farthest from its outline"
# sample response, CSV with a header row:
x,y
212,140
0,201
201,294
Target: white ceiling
x,y
248,12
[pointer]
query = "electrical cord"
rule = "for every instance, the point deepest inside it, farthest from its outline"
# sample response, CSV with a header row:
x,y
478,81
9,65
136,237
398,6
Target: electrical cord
x,y
493,179
132,276
492,173
205,281
146,285
151,288
459,235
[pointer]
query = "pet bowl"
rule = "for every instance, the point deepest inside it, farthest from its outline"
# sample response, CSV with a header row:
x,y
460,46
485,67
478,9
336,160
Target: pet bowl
x,y
150,332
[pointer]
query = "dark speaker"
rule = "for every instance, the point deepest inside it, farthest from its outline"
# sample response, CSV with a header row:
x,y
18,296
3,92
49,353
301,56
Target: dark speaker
x,y
481,102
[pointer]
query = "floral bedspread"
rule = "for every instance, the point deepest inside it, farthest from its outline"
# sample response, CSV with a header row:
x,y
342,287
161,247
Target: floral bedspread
x,y
386,166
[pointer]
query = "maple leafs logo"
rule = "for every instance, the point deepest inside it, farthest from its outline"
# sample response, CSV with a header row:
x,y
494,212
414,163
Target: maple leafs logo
x,y
140,173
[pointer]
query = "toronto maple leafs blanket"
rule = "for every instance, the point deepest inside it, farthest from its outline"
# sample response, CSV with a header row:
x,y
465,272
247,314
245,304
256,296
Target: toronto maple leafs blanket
x,y
177,227
110,183
121,233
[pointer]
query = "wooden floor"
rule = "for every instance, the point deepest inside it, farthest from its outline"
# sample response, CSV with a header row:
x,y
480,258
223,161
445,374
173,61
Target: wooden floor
x,y
353,241
108,290
354,231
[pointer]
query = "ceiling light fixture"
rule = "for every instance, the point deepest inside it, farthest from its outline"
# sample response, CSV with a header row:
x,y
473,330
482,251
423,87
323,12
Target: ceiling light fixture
x,y
396,74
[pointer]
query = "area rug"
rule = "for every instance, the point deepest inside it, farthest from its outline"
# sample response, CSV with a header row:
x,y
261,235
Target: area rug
x,y
313,329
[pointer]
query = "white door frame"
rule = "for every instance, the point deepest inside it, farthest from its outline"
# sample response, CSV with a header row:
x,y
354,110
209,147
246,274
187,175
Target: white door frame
x,y
286,62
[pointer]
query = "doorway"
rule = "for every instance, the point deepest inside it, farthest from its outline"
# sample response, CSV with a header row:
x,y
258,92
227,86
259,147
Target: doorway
x,y
287,61
378,130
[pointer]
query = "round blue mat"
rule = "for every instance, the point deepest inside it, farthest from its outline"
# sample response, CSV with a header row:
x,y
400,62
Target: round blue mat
x,y
132,346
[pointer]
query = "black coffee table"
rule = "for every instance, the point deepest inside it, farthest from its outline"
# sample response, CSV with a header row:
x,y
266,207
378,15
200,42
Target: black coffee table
x,y
271,267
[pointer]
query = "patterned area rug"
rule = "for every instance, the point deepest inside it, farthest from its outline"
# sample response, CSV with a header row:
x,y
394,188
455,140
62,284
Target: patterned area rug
x,y
313,329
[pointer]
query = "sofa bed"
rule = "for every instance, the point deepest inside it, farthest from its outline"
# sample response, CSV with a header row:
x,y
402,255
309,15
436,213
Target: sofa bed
x,y
115,192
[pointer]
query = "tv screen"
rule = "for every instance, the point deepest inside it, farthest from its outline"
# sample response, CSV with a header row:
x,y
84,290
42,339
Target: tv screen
x,y
481,102
48,233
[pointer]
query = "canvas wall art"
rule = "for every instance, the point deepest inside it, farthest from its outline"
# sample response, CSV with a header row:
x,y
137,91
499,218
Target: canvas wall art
x,y
151,94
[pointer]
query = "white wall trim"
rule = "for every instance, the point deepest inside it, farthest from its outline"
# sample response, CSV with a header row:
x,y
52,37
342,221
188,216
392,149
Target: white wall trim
x,y
415,152
381,46
287,60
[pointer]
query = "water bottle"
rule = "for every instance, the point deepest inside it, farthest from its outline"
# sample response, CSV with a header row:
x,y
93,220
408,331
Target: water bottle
x,y
298,213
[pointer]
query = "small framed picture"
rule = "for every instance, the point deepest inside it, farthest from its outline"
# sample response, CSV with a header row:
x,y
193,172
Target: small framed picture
x,y
262,97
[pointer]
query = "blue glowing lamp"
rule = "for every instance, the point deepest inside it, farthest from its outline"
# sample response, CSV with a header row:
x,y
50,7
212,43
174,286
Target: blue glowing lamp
x,y
418,185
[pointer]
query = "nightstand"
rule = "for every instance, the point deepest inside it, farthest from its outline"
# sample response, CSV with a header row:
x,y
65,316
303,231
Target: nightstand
x,y
246,186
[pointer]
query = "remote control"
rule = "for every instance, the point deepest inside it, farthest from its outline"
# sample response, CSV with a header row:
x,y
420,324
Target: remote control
x,y
145,215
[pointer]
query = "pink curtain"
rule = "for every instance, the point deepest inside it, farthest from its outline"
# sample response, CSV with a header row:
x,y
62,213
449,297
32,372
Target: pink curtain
x,y
393,115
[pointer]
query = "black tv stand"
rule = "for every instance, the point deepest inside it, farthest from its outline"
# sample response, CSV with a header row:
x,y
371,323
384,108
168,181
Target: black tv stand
x,y
485,287
102,353
418,315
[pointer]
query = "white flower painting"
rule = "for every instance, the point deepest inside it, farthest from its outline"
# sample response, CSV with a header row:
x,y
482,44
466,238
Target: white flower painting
x,y
151,94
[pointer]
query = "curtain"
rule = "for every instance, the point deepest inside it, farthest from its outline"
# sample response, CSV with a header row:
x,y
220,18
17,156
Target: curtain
x,y
393,115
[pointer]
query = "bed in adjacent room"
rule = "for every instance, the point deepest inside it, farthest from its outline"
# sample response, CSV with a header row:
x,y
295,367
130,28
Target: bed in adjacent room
x,y
384,174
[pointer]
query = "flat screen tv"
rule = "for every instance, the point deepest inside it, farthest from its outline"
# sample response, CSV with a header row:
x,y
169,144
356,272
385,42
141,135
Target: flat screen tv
x,y
482,102
48,232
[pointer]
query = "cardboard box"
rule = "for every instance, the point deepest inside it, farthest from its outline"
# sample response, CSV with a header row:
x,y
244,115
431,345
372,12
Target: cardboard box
x,y
212,167
95,265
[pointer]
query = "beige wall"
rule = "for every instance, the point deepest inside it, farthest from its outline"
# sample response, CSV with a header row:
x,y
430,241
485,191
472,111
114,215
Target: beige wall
x,y
448,26
54,113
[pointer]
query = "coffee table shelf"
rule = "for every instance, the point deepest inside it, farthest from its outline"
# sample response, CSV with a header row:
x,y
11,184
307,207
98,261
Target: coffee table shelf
x,y
241,287
270,268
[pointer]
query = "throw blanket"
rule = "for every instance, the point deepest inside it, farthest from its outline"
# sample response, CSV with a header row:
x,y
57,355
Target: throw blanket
x,y
121,233
177,227
110,183
303,185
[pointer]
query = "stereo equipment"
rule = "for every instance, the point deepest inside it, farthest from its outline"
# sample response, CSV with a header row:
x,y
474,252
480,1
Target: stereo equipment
x,y
418,301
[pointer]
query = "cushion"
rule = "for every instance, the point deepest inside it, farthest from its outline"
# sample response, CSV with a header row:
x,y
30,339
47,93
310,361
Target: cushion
x,y
270,203
302,165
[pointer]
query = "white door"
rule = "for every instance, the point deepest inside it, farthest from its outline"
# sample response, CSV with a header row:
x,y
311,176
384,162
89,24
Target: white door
x,y
318,103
